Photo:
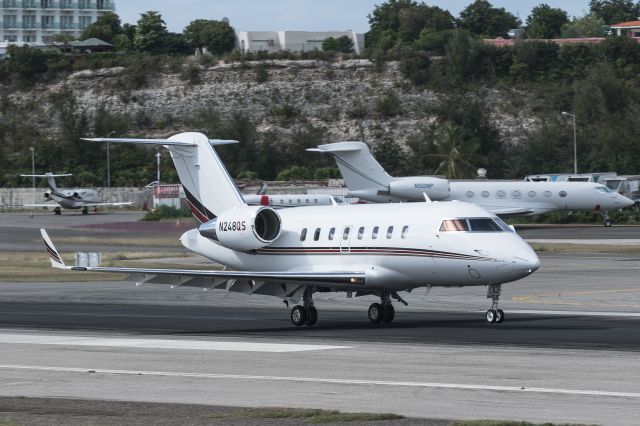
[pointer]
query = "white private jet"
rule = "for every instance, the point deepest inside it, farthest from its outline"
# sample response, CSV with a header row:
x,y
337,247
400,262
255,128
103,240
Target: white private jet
x,y
366,249
366,179
77,198
261,198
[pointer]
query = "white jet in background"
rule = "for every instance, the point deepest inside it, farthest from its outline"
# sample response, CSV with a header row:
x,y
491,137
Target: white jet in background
x,y
366,249
366,179
73,199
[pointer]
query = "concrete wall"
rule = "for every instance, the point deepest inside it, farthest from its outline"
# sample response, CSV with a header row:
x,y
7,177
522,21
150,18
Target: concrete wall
x,y
295,41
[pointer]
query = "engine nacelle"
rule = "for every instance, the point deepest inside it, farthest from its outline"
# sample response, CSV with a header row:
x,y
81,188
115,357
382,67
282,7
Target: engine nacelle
x,y
436,188
76,195
243,228
47,195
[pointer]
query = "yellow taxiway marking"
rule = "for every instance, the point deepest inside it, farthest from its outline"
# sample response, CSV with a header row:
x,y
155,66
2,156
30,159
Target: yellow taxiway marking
x,y
535,298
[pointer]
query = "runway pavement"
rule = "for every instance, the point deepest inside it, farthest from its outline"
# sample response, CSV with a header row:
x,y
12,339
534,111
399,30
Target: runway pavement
x,y
569,350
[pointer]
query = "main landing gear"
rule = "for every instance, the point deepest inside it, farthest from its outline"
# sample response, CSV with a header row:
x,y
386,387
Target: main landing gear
x,y
494,315
57,211
306,314
384,312
85,210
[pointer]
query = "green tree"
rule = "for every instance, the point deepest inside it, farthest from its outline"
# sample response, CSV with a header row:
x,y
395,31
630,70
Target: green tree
x,y
25,64
546,22
341,44
614,11
217,37
455,153
481,18
105,28
423,18
151,33
590,25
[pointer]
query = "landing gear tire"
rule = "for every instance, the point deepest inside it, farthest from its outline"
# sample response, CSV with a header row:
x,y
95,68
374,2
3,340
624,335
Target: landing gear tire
x,y
499,316
389,314
607,222
312,316
298,316
376,313
85,210
57,211
491,316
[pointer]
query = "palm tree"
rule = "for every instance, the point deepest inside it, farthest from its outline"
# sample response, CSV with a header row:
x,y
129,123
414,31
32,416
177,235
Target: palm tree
x,y
455,151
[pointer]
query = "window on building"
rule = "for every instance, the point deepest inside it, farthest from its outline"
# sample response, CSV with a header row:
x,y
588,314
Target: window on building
x,y
29,21
303,234
405,231
47,4
10,38
29,38
47,21
10,21
360,232
332,232
84,21
374,232
389,232
66,22
316,235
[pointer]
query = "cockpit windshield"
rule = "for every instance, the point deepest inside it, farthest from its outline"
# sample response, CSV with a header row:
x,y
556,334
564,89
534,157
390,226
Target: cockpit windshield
x,y
481,224
603,189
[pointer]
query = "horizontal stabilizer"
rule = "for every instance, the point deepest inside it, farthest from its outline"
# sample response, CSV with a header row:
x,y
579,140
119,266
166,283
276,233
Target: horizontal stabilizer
x,y
159,141
346,146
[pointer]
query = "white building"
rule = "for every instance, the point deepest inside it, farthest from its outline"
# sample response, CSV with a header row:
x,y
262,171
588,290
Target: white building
x,y
295,41
38,21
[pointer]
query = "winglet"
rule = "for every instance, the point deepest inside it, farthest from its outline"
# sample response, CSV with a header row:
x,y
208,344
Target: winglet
x,y
56,259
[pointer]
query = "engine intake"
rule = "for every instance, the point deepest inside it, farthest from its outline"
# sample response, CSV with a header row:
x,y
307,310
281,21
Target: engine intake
x,y
244,228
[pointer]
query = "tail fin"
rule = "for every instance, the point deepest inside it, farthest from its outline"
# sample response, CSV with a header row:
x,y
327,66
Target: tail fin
x,y
56,259
359,168
50,179
207,184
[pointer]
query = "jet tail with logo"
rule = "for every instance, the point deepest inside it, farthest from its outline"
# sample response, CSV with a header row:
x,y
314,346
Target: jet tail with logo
x,y
50,179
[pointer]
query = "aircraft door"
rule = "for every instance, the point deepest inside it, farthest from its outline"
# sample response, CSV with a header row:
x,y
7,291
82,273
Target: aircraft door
x,y
345,239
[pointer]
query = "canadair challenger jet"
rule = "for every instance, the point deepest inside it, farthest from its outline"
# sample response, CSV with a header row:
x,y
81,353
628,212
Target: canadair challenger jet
x,y
77,198
366,249
366,179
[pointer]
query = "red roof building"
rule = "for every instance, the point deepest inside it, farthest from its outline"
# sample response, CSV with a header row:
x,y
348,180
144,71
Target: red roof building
x,y
631,29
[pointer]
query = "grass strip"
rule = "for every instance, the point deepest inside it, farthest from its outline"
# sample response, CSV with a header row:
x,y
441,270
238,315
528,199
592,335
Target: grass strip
x,y
508,423
309,415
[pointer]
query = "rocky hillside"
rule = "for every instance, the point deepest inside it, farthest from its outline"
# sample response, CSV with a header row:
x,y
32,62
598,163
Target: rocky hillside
x,y
350,99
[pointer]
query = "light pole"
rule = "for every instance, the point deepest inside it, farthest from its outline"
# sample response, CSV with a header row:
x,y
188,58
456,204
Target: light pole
x,y
33,177
109,162
575,145
158,168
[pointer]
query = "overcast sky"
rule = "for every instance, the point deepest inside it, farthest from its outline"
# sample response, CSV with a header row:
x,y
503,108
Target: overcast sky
x,y
303,15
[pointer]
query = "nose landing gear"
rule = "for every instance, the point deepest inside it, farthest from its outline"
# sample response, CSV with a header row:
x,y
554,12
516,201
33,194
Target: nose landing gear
x,y
494,315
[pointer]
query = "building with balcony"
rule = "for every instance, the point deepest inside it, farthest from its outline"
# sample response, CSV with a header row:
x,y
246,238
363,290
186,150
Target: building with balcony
x,y
39,21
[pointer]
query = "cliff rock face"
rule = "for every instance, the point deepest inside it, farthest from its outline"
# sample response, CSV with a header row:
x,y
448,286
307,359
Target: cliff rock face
x,y
345,98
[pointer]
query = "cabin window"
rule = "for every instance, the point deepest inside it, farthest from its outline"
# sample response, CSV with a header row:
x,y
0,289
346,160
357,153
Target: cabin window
x,y
316,235
290,201
315,200
360,232
516,194
299,201
303,234
454,225
332,232
374,233
501,194
281,200
405,230
562,194
306,201
389,232
604,189
469,194
485,194
532,194
547,193
345,233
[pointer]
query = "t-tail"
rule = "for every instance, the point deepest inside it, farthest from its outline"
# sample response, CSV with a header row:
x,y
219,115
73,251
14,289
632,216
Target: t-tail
x,y
51,179
207,185
359,168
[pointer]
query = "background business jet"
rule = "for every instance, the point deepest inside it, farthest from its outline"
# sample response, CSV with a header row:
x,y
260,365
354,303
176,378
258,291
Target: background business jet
x,y
367,249
366,179
73,199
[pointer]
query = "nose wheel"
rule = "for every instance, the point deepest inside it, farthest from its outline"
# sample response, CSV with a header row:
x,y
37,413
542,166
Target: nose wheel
x,y
494,315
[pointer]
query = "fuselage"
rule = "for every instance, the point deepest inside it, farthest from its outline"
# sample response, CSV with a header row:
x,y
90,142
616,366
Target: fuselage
x,y
399,246
74,198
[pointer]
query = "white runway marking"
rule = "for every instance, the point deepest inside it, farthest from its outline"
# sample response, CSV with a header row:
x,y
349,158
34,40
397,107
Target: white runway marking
x,y
581,313
125,342
557,391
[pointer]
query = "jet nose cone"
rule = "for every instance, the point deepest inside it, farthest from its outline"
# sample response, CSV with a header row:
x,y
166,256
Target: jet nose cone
x,y
623,201
526,260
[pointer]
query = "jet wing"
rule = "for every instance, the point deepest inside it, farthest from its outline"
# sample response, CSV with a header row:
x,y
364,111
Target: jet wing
x,y
510,211
87,203
52,204
286,285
